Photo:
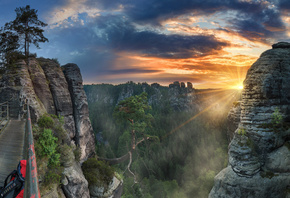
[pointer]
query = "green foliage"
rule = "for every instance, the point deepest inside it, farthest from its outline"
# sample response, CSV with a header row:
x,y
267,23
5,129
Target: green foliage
x,y
45,121
242,131
97,172
28,27
53,176
188,154
51,149
133,108
277,118
48,146
8,46
77,153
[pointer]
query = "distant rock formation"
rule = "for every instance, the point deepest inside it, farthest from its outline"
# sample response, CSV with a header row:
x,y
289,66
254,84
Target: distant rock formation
x,y
179,97
259,154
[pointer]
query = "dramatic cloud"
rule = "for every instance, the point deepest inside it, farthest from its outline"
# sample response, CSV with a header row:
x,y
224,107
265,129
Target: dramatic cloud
x,y
122,36
206,42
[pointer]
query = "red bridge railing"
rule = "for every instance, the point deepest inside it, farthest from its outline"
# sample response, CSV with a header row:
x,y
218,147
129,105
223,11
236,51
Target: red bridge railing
x,y
31,189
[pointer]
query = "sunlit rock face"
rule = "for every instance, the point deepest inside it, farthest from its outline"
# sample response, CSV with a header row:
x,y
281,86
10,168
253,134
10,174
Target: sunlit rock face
x,y
259,152
84,131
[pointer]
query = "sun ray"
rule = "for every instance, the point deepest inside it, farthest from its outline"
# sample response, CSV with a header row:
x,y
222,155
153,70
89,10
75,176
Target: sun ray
x,y
198,114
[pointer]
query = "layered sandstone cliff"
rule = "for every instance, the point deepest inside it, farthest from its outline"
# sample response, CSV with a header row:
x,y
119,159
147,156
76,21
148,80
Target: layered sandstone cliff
x,y
43,83
259,153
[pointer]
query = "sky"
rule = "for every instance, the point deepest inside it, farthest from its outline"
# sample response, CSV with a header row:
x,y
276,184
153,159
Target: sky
x,y
210,43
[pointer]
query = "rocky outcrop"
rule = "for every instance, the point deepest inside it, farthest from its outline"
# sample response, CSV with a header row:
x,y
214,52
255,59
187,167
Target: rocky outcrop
x,y
233,119
43,84
177,95
74,184
84,132
59,89
114,190
126,92
258,153
17,87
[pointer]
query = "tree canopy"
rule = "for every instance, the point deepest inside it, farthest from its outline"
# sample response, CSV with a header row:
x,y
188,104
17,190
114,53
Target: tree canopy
x,y
133,109
25,29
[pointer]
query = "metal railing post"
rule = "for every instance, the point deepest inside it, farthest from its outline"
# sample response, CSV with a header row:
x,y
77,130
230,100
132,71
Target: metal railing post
x,y
31,188
3,113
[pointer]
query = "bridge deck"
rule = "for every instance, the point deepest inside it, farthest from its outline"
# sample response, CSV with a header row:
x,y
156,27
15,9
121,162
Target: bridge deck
x,y
11,147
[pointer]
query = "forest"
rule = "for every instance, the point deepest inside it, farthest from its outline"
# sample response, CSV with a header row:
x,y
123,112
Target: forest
x,y
190,144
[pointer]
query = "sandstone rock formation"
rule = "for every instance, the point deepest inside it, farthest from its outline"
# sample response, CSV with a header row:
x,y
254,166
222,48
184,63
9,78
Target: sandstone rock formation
x,y
177,96
43,84
233,119
17,87
259,152
61,95
84,131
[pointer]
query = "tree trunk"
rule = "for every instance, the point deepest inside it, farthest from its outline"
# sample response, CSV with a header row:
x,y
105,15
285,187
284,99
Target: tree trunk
x,y
26,44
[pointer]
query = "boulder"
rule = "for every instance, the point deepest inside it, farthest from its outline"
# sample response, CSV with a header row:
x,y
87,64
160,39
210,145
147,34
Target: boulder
x,y
74,183
114,190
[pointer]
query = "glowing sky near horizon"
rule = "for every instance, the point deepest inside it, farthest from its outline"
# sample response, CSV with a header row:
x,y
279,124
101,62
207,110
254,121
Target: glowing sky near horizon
x,y
210,43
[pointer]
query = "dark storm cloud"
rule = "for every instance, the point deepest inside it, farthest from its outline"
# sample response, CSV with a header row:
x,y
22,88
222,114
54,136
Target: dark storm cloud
x,y
261,27
284,4
260,14
150,10
121,35
256,20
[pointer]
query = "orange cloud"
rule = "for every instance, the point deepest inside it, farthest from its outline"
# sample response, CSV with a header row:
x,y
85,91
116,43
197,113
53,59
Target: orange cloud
x,y
214,71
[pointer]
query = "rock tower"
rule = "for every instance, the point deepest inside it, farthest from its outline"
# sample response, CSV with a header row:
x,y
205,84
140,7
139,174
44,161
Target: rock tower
x,y
259,153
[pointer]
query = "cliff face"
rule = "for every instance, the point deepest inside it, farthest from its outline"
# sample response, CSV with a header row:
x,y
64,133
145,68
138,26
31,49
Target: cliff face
x,y
84,130
179,97
43,83
259,154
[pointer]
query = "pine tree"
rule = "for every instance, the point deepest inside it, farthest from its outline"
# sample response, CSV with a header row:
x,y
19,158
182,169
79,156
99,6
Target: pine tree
x,y
28,27
8,44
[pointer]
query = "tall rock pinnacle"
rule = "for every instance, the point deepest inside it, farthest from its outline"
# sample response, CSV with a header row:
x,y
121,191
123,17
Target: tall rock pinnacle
x,y
259,153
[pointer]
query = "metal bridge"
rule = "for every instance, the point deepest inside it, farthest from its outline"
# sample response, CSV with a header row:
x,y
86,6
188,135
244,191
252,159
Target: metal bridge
x,y
16,143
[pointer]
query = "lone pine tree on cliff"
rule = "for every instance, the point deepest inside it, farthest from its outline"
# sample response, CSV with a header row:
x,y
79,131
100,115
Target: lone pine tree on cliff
x,y
133,110
25,29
